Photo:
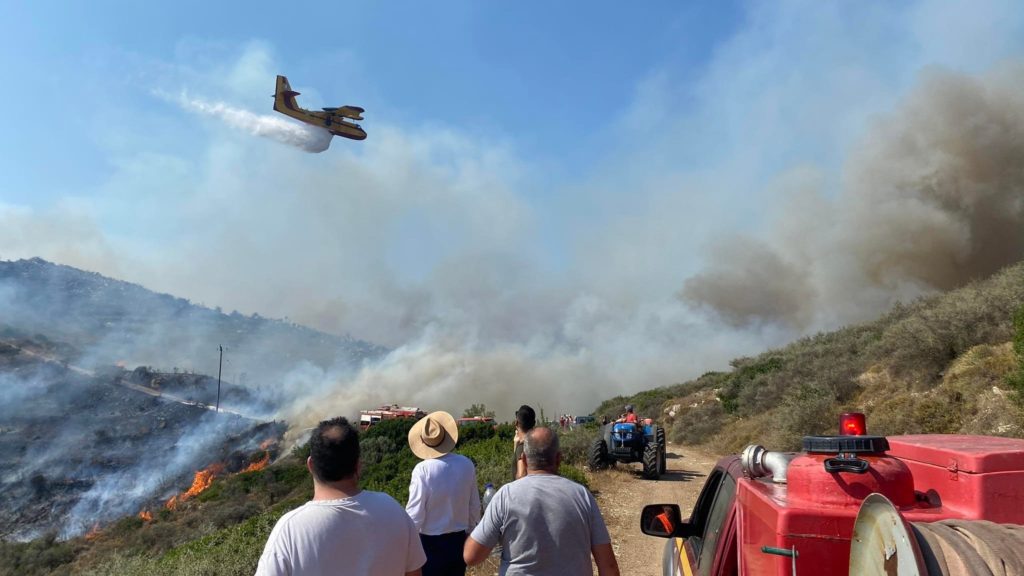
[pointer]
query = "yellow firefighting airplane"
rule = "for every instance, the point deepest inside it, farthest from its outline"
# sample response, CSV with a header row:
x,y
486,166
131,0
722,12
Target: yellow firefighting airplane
x,y
331,119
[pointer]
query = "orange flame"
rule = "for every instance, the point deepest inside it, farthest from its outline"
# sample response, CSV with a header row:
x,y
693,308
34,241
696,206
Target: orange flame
x,y
202,481
260,465
93,532
266,444
145,516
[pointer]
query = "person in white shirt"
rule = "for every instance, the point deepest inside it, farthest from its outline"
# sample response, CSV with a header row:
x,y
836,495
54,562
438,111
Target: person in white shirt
x,y
342,530
444,502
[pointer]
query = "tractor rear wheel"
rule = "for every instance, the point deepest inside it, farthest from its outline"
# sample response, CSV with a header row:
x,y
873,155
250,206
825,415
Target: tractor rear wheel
x,y
598,455
652,461
659,435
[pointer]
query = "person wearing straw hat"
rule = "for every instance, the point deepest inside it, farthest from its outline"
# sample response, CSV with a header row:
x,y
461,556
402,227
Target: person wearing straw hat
x,y
444,502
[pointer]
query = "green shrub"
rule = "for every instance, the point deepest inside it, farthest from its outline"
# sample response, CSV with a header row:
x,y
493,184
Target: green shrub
x,y
575,445
746,375
574,473
475,431
505,431
807,411
41,556
1016,379
698,425
492,458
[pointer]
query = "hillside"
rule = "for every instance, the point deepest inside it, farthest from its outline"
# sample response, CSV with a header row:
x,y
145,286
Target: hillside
x,y
80,449
942,364
953,362
223,528
103,321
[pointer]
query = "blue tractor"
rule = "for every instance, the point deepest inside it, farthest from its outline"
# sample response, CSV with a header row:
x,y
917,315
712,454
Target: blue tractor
x,y
628,442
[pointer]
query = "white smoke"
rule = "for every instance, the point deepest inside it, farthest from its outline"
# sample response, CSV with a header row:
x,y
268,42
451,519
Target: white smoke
x,y
308,138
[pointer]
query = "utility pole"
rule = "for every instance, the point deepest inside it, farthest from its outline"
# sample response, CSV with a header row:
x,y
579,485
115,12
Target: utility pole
x,y
220,365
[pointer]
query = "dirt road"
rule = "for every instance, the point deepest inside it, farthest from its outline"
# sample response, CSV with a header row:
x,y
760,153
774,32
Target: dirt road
x,y
622,493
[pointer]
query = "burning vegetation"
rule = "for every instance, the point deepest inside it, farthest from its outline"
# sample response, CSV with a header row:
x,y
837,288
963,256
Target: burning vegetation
x,y
202,481
127,448
259,464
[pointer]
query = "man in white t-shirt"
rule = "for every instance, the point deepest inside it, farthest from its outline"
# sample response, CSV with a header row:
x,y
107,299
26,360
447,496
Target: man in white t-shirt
x,y
342,530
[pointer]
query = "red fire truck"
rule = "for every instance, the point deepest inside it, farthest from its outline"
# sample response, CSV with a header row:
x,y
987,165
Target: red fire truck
x,y
368,418
854,504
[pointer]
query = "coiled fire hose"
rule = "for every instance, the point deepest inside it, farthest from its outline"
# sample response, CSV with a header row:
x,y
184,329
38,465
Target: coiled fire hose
x,y
970,547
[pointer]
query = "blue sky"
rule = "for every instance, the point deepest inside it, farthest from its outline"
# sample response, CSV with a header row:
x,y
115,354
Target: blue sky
x,y
549,77
540,181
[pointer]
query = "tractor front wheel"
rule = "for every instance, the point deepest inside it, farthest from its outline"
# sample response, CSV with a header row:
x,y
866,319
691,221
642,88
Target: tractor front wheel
x,y
598,455
653,461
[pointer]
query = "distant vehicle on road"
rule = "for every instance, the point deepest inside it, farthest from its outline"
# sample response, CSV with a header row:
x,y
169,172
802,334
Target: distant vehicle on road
x,y
581,420
475,420
630,442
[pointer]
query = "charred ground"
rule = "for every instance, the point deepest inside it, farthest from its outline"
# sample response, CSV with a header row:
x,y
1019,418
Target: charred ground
x,y
80,450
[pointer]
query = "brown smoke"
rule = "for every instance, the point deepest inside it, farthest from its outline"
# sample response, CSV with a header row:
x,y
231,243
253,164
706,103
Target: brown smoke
x,y
933,198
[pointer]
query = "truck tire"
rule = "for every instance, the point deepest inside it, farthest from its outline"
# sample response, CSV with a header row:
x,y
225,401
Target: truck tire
x,y
659,435
598,455
652,461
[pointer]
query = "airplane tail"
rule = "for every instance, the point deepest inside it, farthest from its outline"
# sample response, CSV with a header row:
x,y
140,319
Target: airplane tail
x,y
284,96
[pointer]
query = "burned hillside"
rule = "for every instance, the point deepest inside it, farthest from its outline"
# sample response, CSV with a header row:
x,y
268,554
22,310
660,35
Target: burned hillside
x,y
79,450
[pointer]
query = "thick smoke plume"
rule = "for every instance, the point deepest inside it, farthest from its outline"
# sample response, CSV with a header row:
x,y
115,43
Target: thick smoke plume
x,y
933,197
308,138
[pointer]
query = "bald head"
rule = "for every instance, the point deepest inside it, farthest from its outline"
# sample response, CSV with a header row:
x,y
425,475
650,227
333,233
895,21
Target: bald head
x,y
541,450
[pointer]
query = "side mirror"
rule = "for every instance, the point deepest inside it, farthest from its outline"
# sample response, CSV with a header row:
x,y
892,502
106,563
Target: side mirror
x,y
664,521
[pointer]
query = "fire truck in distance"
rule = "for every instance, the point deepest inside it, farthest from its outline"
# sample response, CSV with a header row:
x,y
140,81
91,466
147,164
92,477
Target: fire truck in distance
x,y
368,418
470,420
933,504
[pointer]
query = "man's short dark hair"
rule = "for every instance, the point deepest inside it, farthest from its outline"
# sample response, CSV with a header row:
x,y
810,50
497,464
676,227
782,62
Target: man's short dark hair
x,y
526,418
334,449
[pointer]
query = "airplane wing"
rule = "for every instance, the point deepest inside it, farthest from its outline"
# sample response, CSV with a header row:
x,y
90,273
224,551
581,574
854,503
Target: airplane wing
x,y
353,112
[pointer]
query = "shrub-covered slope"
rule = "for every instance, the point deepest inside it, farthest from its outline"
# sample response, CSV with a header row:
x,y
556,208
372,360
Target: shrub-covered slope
x,y
943,364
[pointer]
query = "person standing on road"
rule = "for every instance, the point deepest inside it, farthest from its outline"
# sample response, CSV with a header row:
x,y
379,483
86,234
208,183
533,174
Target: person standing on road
x,y
526,419
343,529
444,502
546,524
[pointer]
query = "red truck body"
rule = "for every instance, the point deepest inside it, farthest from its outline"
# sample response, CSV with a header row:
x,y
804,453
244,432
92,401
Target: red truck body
x,y
927,477
368,418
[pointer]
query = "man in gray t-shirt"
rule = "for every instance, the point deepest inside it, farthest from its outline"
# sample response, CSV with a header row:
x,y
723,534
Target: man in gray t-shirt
x,y
545,524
